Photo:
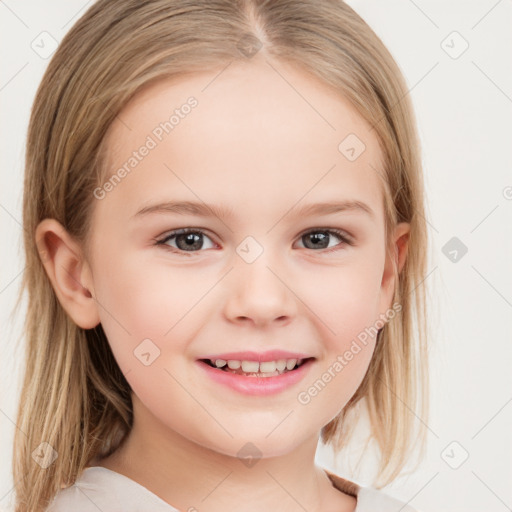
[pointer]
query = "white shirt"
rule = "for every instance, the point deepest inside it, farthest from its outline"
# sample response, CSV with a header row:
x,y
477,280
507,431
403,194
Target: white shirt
x,y
99,488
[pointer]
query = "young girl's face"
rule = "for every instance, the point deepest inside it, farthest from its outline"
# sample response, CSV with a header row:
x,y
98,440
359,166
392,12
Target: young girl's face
x,y
259,143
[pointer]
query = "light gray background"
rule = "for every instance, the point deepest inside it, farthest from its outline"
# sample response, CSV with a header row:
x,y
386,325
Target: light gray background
x,y
464,111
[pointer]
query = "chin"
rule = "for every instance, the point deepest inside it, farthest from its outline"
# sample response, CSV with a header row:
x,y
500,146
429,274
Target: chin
x,y
254,444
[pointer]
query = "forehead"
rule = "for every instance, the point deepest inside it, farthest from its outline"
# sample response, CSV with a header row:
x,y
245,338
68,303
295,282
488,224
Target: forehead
x,y
259,134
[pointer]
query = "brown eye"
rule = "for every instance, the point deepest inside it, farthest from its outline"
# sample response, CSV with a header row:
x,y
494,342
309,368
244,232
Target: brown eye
x,y
322,238
186,240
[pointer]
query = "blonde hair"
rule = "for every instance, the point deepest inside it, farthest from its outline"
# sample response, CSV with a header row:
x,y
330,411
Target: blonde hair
x,y
74,396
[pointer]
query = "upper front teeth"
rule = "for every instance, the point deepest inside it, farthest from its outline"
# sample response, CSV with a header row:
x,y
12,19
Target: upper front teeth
x,y
255,366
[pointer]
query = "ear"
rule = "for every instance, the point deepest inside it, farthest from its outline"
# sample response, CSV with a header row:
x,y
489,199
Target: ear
x,y
68,272
394,264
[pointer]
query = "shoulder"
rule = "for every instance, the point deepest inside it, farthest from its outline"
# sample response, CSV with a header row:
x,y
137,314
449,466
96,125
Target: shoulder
x,y
369,499
98,488
72,499
375,500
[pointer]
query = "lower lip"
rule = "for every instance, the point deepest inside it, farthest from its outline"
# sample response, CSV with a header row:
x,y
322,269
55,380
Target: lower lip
x,y
257,385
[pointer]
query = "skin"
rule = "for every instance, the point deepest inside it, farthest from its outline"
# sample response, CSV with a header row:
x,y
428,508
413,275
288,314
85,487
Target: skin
x,y
252,144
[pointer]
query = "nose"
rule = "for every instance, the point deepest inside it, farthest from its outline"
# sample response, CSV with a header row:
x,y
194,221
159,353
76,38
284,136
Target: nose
x,y
260,295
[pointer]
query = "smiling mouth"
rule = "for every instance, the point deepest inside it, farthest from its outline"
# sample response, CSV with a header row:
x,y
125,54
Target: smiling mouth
x,y
255,368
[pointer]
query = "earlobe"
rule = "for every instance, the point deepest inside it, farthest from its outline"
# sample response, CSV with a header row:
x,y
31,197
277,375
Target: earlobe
x,y
68,272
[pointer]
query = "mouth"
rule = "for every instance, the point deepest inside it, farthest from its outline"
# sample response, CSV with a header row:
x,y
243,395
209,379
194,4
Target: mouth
x,y
263,369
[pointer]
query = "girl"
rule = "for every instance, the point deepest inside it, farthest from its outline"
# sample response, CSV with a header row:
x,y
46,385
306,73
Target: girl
x,y
225,242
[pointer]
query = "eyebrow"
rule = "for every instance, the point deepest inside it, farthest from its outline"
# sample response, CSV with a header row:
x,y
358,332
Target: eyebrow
x,y
208,210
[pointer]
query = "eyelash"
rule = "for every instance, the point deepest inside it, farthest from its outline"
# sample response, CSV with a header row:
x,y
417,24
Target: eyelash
x,y
345,240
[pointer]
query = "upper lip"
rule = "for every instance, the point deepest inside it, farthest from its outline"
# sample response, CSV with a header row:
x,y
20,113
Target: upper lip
x,y
269,355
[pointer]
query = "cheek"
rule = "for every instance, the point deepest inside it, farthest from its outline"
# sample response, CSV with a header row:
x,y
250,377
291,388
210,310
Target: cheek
x,y
145,320
146,299
150,308
344,299
345,303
